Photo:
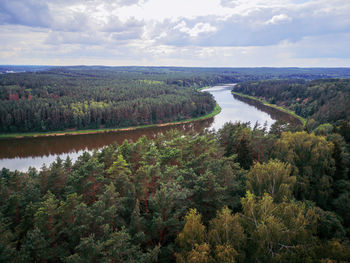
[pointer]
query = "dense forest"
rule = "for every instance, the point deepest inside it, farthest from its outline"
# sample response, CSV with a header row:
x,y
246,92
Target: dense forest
x,y
62,99
238,195
321,100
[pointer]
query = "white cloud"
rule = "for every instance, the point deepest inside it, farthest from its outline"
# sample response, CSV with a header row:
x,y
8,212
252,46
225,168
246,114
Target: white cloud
x,y
279,19
199,28
161,10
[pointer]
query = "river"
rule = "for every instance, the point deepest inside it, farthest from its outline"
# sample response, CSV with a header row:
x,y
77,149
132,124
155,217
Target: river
x,y
20,154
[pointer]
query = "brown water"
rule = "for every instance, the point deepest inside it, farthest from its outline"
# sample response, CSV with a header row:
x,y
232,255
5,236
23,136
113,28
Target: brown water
x,y
20,154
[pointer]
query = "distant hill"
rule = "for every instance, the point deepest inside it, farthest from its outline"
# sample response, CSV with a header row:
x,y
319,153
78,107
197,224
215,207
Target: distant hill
x,y
17,69
228,74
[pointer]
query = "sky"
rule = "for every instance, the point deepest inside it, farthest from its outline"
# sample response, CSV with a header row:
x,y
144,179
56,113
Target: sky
x,y
199,33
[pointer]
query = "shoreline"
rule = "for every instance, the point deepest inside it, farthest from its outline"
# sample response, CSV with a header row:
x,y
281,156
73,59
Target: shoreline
x,y
279,108
217,110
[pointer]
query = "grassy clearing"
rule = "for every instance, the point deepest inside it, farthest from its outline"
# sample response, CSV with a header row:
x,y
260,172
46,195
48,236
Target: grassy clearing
x,y
205,87
303,121
216,111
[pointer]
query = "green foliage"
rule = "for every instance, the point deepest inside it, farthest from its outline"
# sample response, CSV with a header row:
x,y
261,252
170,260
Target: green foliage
x,y
220,244
324,129
265,231
329,225
128,203
248,145
272,178
237,140
70,99
123,203
7,249
279,232
312,163
321,100
191,237
227,236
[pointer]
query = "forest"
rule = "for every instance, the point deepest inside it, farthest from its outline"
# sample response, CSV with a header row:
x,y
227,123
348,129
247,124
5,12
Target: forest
x,y
240,194
321,100
63,99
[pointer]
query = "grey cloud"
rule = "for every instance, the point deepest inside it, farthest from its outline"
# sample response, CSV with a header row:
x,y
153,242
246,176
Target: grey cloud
x,y
121,2
263,26
29,13
310,51
129,2
229,3
56,14
114,24
71,21
112,32
96,2
60,37
328,46
127,35
38,13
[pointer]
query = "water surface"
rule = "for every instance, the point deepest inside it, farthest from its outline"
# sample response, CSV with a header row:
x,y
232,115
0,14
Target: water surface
x,y
233,109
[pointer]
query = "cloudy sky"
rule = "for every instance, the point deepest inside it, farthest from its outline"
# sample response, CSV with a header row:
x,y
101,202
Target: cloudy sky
x,y
217,33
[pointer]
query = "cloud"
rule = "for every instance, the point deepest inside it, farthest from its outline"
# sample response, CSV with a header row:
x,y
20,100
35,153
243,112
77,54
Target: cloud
x,y
309,51
82,38
29,13
64,15
278,19
229,3
114,24
262,26
164,32
250,4
325,46
198,28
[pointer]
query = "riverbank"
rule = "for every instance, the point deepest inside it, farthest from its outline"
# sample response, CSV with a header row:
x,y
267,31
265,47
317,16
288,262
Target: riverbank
x,y
292,113
202,88
216,111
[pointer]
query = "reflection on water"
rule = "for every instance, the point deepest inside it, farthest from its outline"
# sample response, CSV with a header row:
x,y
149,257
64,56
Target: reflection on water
x,y
235,110
21,153
274,113
53,145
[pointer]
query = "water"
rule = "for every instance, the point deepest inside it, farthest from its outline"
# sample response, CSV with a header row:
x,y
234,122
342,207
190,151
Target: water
x,y
233,109
22,153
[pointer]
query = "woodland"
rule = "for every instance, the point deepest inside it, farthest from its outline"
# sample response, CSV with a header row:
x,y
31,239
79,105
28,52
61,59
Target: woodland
x,y
323,101
241,194
76,99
